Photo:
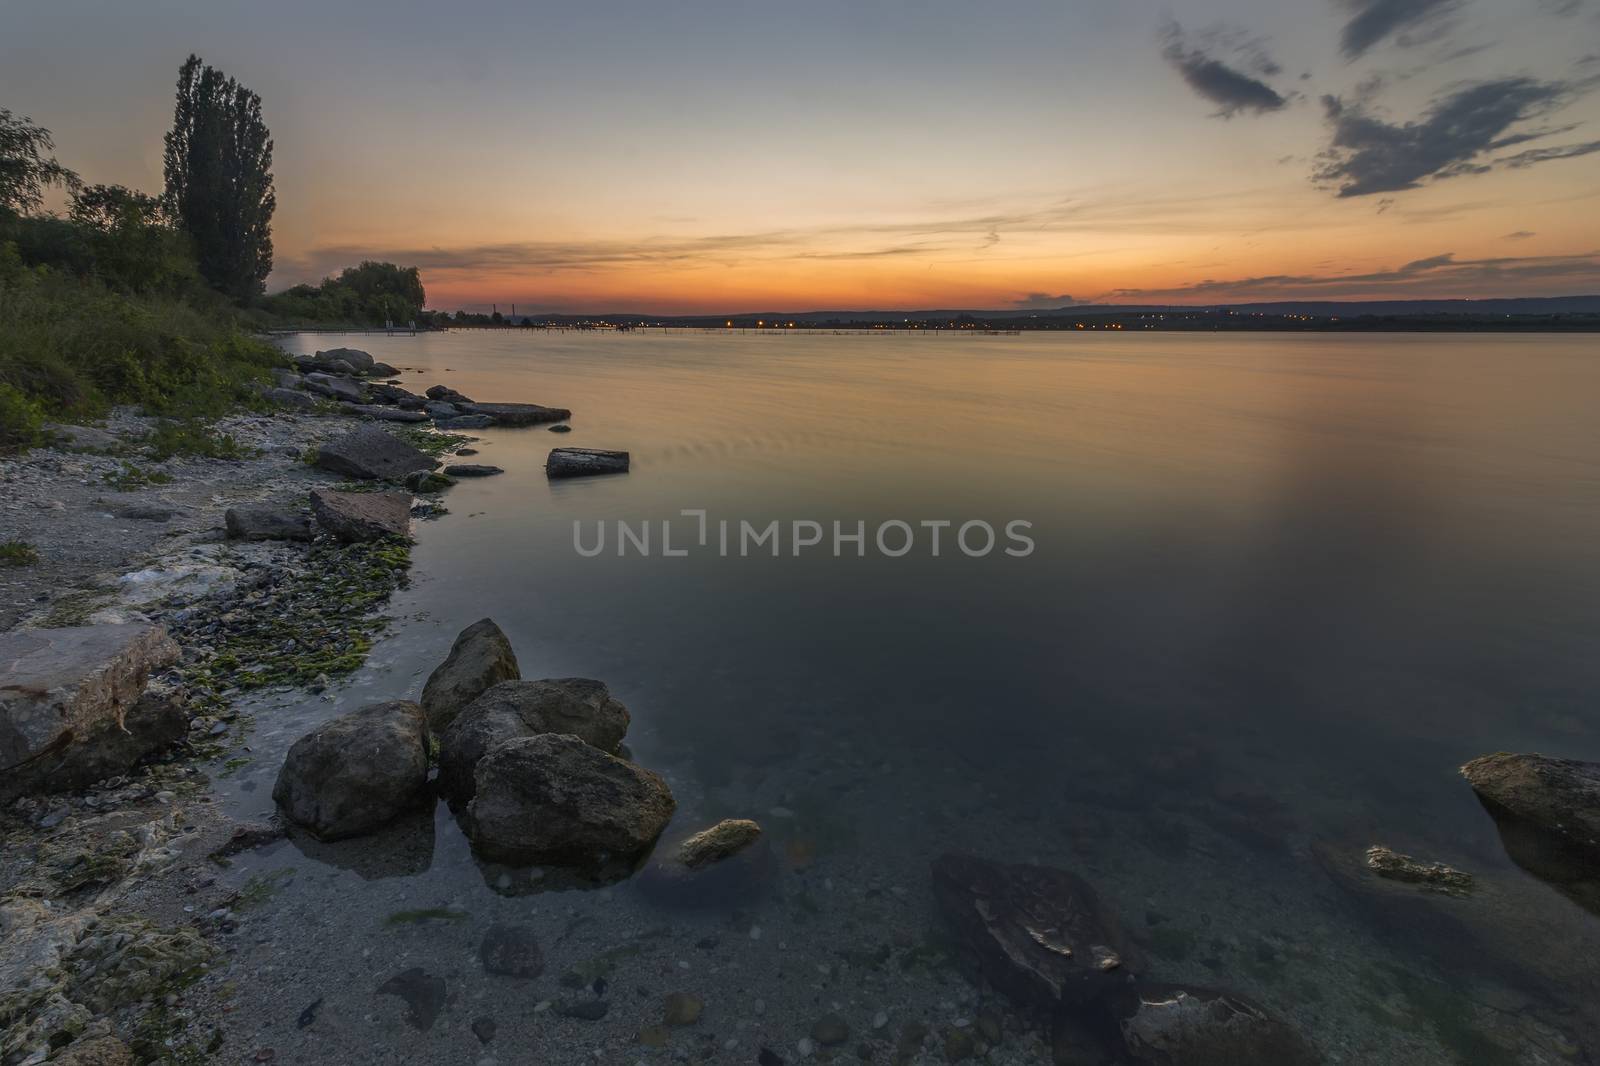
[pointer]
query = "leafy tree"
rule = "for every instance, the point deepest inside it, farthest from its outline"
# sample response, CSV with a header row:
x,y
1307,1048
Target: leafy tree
x,y
26,166
133,245
371,294
219,179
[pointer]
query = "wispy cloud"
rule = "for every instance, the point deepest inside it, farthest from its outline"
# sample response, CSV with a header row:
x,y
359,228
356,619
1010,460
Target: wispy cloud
x,y
1408,22
1234,88
1438,275
1520,235
1370,155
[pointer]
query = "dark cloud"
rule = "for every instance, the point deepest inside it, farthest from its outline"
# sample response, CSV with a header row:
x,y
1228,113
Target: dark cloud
x,y
1042,301
1231,88
1438,275
1408,21
1453,137
1520,235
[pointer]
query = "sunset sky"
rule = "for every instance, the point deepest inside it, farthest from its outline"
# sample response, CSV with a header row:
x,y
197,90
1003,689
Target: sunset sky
x,y
713,156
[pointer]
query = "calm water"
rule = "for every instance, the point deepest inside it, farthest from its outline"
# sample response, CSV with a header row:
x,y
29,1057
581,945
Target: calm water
x,y
1282,586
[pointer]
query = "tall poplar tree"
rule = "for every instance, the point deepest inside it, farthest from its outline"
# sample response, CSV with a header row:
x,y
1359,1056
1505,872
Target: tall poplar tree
x,y
219,179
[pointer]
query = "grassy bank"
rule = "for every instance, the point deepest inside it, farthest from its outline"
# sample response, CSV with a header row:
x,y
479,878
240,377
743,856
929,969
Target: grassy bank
x,y
72,346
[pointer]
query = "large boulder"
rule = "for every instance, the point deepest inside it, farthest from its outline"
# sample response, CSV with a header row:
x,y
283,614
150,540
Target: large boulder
x,y
555,798
80,438
106,749
1560,797
266,521
362,516
1164,1025
516,414
369,453
581,462
1548,814
576,706
391,393
61,685
480,657
335,387
445,394
353,774
1038,934
381,370
290,398
357,358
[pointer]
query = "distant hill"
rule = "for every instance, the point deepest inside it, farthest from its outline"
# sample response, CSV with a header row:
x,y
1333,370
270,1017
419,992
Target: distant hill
x,y
1532,305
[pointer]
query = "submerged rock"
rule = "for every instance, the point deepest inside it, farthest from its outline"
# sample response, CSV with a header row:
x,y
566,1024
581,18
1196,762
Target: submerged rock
x,y
265,521
423,993
580,462
472,470
1038,934
481,657
511,951
355,517
722,841
516,414
370,453
729,864
554,797
576,706
1165,1025
1434,876
355,773
64,686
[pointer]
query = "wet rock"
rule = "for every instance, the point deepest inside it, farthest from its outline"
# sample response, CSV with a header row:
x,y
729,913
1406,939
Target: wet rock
x,y
439,409
581,462
428,481
1434,876
95,1051
722,841
1164,1025
472,470
511,951
424,996
577,706
554,797
1038,934
517,414
681,1008
386,414
958,1045
336,388
739,878
381,370
370,453
265,521
356,517
1558,798
561,428
290,398
481,657
464,422
830,1030
393,394
59,686
106,749
356,772
355,357
445,394
654,1036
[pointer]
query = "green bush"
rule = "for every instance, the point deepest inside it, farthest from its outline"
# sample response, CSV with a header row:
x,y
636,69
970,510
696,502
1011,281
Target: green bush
x,y
20,419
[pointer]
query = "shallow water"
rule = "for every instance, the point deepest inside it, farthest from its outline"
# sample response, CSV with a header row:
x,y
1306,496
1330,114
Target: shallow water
x,y
1281,587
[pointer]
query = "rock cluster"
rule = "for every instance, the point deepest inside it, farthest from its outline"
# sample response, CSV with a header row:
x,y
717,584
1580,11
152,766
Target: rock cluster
x,y
346,376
